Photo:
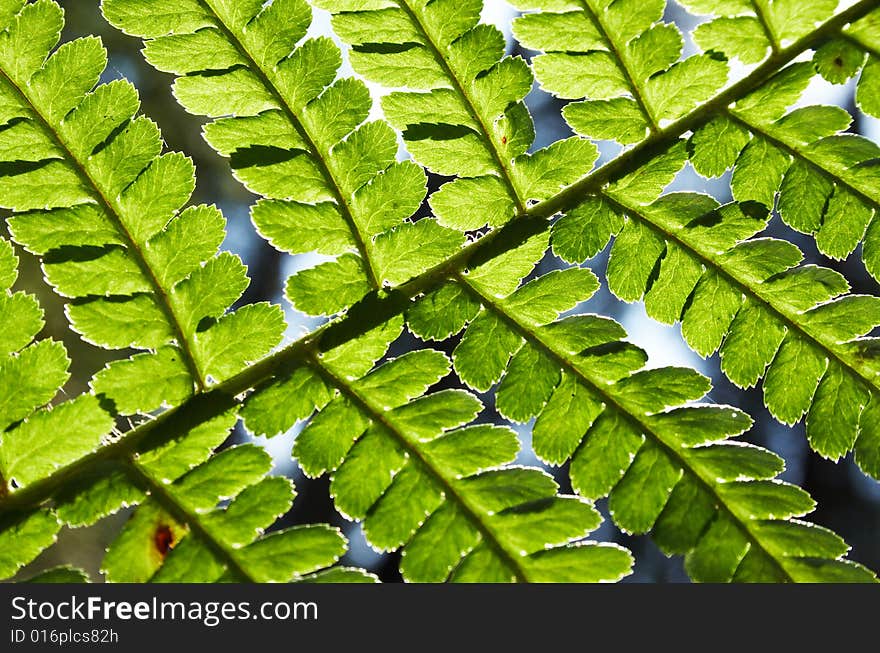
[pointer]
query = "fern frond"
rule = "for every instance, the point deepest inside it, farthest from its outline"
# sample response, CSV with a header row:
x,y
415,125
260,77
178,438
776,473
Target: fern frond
x,y
630,432
222,542
177,532
329,180
96,199
409,462
641,188
623,64
423,478
449,125
462,111
34,440
824,177
747,29
693,260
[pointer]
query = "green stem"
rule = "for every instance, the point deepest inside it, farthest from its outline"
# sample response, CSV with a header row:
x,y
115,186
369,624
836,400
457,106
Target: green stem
x,y
759,8
788,316
798,153
379,308
178,509
618,52
860,44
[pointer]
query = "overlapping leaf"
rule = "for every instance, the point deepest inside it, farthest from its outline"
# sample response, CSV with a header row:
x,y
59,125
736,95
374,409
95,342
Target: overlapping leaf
x,y
460,108
423,478
34,438
632,433
750,29
826,179
413,466
178,533
795,326
840,59
297,136
96,198
620,60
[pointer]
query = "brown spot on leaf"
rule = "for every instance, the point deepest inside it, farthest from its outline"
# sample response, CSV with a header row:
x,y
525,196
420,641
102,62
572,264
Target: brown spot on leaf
x,y
504,140
163,539
838,62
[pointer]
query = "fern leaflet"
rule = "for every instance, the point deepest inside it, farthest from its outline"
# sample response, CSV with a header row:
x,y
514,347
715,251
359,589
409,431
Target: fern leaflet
x,y
331,183
626,430
94,196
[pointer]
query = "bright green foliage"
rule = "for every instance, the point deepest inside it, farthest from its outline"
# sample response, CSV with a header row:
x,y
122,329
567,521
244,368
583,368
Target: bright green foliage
x,y
861,37
425,470
748,299
825,183
462,112
412,467
178,533
621,61
94,197
224,541
103,207
627,431
751,29
328,177
34,439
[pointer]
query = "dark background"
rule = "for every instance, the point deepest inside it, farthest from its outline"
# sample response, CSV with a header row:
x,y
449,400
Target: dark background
x,y
849,502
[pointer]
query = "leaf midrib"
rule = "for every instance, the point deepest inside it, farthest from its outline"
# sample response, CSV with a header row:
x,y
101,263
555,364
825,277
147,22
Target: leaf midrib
x,y
510,557
617,50
764,131
745,286
461,87
222,396
765,26
266,78
165,304
163,494
600,388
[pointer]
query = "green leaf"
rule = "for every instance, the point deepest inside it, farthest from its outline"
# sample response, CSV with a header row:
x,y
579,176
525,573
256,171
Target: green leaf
x,y
285,555
277,408
323,444
483,352
715,147
547,171
405,251
585,563
585,230
741,37
570,411
639,497
618,119
63,574
869,83
69,431
838,60
442,312
24,538
306,290
145,381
